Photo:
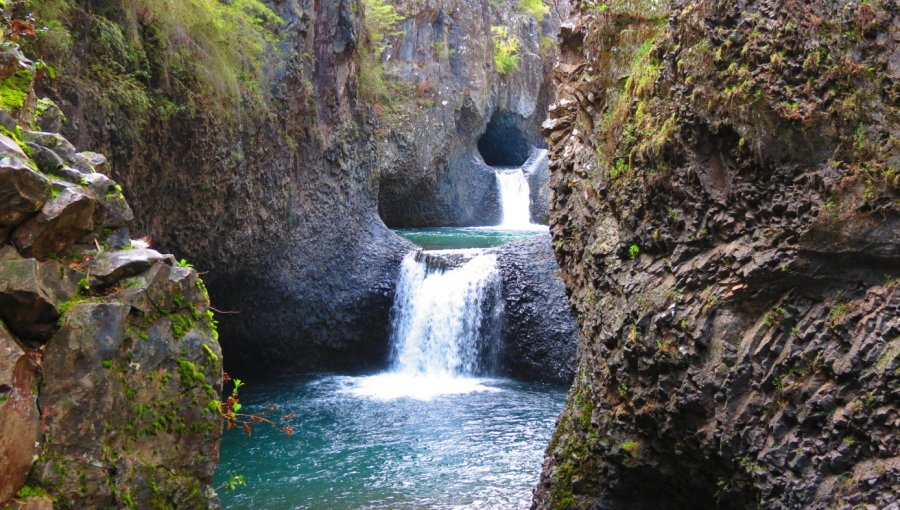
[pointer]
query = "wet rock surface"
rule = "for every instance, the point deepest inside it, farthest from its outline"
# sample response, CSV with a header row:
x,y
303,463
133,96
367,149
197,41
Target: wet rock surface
x,y
725,217
540,333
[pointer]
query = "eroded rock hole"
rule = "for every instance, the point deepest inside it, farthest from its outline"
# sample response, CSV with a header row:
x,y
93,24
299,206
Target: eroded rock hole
x,y
504,143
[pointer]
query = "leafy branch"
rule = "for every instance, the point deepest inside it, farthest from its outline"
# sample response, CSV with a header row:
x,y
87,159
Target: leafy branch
x,y
230,409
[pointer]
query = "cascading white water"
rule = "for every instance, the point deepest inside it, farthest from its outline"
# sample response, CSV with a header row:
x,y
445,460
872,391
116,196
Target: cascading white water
x,y
515,198
436,323
446,312
515,193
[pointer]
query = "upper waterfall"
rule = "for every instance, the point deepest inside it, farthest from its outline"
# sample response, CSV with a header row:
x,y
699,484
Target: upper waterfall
x,y
515,193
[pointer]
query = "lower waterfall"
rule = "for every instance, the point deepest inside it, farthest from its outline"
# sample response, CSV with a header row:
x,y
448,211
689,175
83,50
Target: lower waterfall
x,y
443,318
445,326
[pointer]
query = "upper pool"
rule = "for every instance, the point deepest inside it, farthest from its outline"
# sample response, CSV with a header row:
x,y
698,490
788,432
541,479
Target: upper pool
x,y
445,238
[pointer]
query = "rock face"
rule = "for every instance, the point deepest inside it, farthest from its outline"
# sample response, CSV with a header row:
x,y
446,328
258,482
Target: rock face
x,y
280,202
726,219
19,417
463,116
540,333
109,357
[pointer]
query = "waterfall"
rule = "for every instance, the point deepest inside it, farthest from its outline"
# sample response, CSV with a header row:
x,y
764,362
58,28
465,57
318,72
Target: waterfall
x,y
442,313
515,193
515,198
445,326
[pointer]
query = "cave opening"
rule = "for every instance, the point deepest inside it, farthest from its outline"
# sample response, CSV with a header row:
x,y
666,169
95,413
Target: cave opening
x,y
503,143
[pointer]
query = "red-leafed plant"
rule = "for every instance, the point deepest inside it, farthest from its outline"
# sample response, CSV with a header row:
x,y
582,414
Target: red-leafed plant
x,y
231,407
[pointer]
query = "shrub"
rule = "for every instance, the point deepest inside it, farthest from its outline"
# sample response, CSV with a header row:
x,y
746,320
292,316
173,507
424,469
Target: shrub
x,y
379,20
536,8
506,47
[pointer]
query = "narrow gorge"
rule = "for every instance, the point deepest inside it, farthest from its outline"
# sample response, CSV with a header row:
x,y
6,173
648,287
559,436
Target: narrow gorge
x,y
491,254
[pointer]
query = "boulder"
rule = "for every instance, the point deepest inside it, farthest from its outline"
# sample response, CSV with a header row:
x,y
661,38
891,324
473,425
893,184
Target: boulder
x,y
30,294
22,191
60,146
127,404
62,221
19,416
97,161
47,160
156,289
9,147
112,266
49,116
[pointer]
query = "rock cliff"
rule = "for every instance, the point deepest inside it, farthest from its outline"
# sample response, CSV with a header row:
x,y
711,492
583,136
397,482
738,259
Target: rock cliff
x,y
281,198
109,356
726,218
459,114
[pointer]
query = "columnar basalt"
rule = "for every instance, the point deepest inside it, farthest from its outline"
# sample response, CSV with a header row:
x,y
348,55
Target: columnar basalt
x,y
725,214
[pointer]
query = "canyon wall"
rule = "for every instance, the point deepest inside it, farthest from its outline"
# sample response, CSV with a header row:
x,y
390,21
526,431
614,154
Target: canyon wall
x,y
278,198
726,219
110,365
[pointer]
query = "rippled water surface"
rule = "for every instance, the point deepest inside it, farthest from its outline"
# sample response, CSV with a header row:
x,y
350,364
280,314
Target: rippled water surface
x,y
393,442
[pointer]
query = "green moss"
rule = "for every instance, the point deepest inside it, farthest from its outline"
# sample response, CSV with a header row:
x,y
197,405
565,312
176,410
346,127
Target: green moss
x,y
32,491
631,447
15,89
181,324
189,372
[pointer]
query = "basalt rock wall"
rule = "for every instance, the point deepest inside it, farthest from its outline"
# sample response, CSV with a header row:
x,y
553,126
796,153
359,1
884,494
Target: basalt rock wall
x,y
726,219
432,170
110,365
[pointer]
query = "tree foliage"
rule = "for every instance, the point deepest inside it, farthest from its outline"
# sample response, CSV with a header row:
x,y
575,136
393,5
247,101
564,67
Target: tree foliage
x,y
506,47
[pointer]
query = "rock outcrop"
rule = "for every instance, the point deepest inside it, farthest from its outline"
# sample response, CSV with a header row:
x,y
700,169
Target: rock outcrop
x,y
539,331
109,358
461,115
726,219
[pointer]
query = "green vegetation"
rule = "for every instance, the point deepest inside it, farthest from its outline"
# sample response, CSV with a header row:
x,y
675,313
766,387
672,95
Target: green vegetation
x,y
631,447
30,491
536,8
506,47
548,44
633,251
202,46
143,62
14,90
380,20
